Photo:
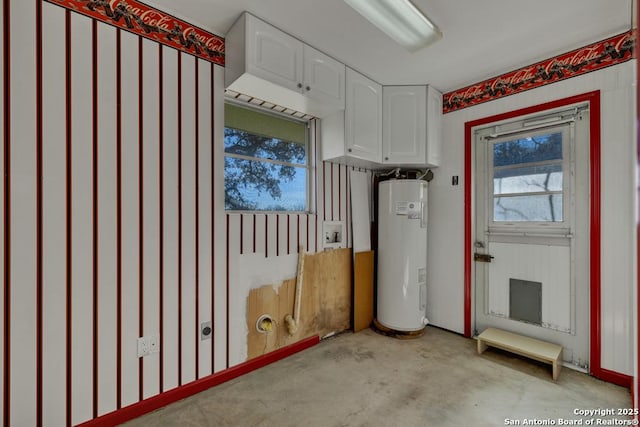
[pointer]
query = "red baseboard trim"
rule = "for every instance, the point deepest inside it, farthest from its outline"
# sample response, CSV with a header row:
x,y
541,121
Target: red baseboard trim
x,y
156,402
614,378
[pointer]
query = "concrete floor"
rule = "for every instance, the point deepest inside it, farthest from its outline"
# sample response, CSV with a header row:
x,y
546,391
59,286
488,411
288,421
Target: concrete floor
x,y
366,379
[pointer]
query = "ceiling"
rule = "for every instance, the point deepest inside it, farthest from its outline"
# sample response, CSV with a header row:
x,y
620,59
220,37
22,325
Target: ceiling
x,y
482,39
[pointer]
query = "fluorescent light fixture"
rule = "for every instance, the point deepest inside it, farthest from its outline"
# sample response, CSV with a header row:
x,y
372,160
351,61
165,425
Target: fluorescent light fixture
x,y
400,20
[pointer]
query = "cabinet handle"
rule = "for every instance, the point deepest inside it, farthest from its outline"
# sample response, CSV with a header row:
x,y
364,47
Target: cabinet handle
x,y
308,88
386,158
299,85
349,150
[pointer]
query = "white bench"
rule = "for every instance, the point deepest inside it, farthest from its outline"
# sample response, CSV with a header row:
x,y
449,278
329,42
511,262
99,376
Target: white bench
x,y
524,346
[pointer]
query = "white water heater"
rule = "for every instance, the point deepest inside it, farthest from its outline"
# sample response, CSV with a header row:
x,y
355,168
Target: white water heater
x,y
402,254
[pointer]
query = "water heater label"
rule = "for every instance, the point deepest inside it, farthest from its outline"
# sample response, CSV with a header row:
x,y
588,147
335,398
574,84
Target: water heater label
x,y
402,208
412,209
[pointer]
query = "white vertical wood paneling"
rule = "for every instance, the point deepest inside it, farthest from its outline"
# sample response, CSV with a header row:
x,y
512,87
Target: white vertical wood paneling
x,y
315,235
281,228
271,235
245,234
337,193
130,217
23,215
293,233
324,189
220,268
205,213
548,265
151,202
54,215
344,201
348,208
170,347
361,221
618,220
188,218
302,239
259,235
310,221
107,232
82,220
236,341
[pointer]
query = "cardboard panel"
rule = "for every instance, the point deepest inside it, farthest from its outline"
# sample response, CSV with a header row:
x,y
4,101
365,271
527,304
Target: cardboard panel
x,y
325,303
363,290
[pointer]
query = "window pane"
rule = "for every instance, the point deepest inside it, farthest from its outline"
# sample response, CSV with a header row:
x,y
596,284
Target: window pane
x,y
247,144
540,208
527,150
528,179
256,185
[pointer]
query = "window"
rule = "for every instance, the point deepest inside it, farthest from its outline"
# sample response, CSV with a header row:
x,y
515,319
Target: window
x,y
527,168
528,179
266,163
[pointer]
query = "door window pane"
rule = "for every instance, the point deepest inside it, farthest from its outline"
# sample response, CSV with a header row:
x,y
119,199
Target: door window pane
x,y
528,179
528,150
539,208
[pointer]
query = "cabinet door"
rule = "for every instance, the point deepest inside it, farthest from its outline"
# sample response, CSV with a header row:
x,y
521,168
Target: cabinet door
x,y
434,126
363,117
273,55
404,125
323,78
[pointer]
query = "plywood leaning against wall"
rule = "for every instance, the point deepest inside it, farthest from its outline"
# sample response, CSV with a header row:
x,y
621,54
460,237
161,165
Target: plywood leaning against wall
x,y
325,303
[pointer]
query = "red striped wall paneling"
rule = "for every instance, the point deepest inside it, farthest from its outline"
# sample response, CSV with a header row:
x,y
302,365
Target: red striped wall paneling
x,y
113,218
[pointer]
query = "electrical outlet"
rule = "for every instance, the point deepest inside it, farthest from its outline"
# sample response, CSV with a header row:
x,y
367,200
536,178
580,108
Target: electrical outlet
x,y
148,345
206,331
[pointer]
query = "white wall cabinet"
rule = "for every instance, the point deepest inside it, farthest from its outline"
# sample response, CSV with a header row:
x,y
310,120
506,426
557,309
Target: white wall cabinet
x,y
266,63
273,55
412,126
354,136
404,131
323,79
363,117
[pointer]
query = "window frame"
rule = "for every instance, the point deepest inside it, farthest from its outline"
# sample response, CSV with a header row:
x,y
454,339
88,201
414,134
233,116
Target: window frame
x,y
565,192
562,121
309,166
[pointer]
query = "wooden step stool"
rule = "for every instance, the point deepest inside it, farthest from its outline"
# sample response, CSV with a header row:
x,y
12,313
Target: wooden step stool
x,y
524,346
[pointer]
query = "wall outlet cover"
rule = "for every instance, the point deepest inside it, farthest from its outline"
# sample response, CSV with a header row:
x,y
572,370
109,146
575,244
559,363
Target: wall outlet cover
x,y
206,331
148,345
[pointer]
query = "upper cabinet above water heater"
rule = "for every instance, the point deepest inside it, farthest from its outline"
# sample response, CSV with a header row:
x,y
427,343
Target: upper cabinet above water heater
x,y
266,63
411,126
384,126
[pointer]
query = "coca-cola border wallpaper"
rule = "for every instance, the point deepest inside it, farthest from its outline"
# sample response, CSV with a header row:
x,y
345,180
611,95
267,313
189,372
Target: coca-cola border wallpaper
x,y
138,18
596,56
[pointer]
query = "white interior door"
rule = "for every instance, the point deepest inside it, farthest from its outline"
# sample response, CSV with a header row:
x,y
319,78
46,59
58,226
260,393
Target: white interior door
x,y
531,260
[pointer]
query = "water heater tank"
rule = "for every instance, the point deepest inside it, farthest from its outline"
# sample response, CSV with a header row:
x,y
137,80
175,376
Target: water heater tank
x,y
402,255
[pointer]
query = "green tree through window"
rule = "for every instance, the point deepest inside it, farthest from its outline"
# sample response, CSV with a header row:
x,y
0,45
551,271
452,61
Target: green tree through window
x,y
265,165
